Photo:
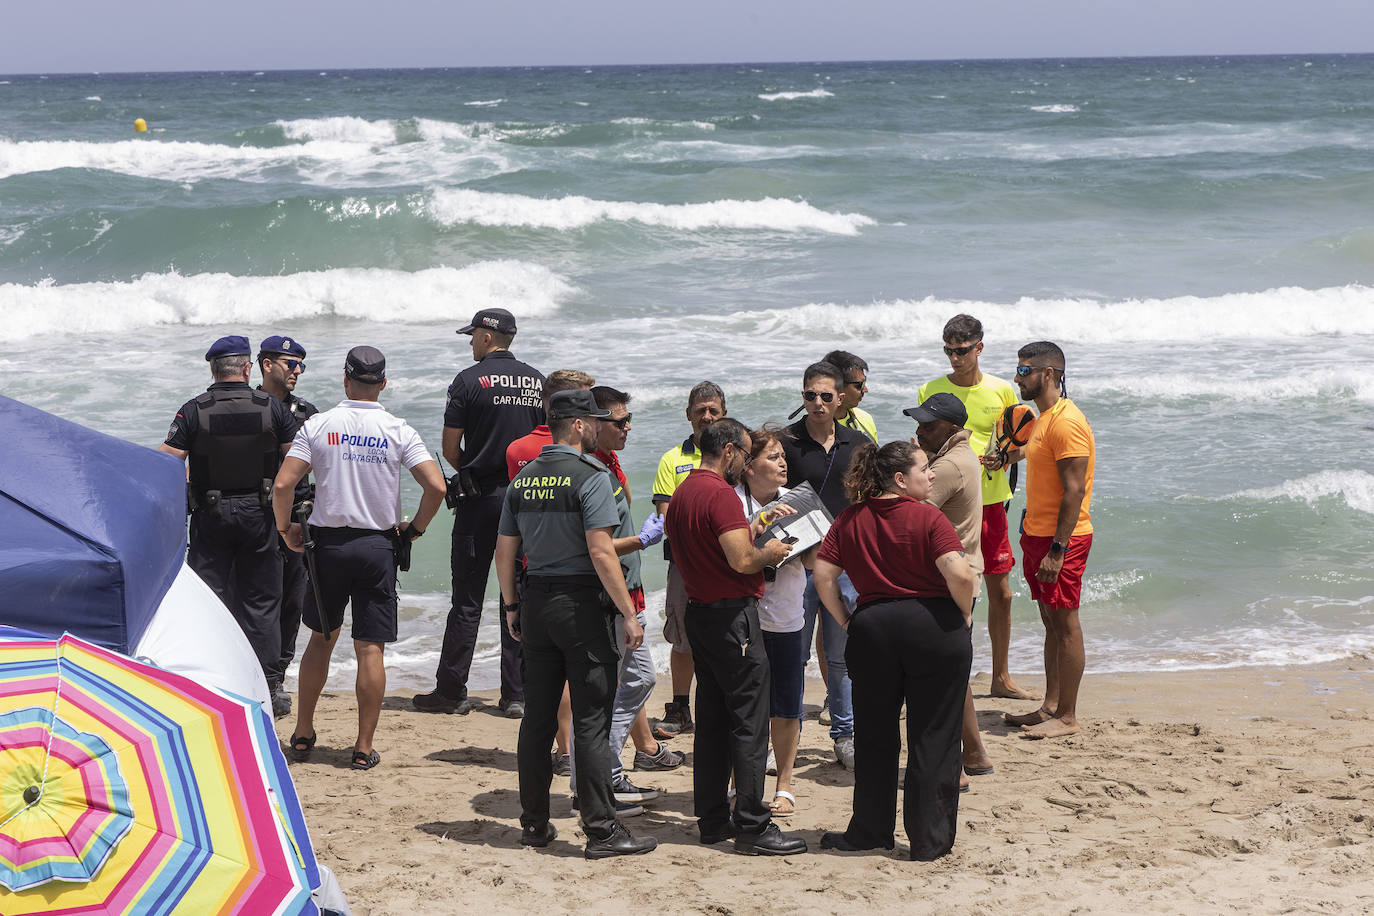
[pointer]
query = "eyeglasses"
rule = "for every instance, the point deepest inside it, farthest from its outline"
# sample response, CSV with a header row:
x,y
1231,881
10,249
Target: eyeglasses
x,y
1024,371
859,383
622,422
826,396
292,364
960,351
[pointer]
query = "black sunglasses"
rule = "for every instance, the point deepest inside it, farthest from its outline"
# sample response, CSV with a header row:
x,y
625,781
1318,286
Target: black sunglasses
x,y
1025,371
960,351
826,396
859,383
291,364
622,422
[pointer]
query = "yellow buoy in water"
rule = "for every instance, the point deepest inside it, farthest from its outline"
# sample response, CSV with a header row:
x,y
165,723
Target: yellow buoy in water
x,y
140,125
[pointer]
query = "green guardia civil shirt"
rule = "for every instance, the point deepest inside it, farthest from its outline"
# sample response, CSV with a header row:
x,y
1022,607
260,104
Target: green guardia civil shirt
x,y
984,402
551,505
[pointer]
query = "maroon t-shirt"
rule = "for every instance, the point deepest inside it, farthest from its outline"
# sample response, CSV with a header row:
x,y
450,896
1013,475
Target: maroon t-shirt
x,y
703,508
889,548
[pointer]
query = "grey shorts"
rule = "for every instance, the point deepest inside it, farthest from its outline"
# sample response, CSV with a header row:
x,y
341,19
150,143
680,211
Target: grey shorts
x,y
675,612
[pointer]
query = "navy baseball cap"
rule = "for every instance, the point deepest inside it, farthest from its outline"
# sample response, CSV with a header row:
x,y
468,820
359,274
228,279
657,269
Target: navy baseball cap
x,y
498,320
570,405
939,406
286,346
366,364
234,345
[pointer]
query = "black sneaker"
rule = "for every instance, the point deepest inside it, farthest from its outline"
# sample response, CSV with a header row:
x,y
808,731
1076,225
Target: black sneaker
x,y
562,764
437,702
626,791
281,702
622,809
620,842
538,836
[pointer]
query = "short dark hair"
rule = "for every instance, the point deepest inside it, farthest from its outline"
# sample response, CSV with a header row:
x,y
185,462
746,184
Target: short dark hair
x,y
706,391
963,327
872,468
726,431
845,361
824,370
501,340
607,397
1043,348
558,429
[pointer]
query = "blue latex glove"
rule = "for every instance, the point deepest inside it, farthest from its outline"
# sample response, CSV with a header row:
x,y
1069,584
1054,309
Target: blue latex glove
x,y
651,532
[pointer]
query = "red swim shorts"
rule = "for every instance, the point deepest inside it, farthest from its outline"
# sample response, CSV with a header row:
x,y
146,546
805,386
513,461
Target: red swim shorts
x,y
995,544
1063,593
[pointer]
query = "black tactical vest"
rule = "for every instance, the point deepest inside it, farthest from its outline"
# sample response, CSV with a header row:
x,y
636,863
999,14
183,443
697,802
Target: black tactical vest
x,y
235,448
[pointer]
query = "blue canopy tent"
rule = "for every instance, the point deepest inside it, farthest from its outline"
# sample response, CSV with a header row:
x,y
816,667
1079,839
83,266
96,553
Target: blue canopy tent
x,y
92,528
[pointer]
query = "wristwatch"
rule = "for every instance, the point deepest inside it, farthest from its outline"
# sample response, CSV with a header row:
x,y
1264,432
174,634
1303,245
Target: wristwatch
x,y
415,532
1056,547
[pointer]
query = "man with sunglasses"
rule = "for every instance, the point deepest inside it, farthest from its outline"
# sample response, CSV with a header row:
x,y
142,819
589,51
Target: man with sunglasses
x,y
1056,531
818,450
855,371
984,398
281,360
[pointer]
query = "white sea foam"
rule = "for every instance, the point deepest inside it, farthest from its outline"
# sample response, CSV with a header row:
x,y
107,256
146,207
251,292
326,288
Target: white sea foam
x,y
789,96
205,299
93,98
1353,487
1055,109
1178,387
1286,312
484,103
341,129
464,206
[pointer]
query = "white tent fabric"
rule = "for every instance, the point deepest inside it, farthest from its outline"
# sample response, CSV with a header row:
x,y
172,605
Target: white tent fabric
x,y
193,634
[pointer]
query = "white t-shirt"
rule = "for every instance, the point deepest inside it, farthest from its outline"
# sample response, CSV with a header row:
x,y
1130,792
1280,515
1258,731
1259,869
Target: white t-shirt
x,y
780,608
357,451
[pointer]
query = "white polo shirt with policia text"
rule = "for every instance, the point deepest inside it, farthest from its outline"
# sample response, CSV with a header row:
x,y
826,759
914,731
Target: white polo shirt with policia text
x,y
357,451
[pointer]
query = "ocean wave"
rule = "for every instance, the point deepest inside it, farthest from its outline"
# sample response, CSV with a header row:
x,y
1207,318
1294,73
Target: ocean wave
x,y
484,103
1178,387
222,299
1353,487
1285,312
458,206
789,96
339,129
92,98
1055,109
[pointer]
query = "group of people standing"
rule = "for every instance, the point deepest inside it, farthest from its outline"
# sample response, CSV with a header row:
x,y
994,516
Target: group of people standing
x,y
538,490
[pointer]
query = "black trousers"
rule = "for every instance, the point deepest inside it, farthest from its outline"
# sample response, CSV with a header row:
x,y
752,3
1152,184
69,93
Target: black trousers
x,y
568,638
233,547
474,543
915,651
295,591
731,717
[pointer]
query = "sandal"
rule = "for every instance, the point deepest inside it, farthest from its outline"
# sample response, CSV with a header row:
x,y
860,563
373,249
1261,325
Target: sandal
x,y
301,746
366,761
791,803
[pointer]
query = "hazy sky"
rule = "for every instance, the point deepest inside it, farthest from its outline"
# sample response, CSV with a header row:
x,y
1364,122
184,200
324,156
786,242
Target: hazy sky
x,y
52,36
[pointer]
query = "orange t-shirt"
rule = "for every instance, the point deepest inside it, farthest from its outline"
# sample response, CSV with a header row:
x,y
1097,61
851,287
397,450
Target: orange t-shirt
x,y
1060,432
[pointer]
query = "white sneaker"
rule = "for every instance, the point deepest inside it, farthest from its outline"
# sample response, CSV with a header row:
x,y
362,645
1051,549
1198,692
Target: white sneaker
x,y
772,769
844,751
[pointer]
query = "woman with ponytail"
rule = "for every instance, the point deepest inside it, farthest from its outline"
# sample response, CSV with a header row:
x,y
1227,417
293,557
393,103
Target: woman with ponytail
x,y
908,642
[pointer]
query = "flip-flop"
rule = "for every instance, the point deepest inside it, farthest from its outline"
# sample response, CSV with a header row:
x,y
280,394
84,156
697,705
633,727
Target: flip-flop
x,y
773,808
301,746
366,761
978,771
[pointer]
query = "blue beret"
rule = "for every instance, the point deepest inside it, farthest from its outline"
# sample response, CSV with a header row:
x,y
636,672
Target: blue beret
x,y
234,345
287,346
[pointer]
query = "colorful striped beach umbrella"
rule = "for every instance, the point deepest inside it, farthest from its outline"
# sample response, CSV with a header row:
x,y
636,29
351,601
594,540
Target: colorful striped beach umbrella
x,y
128,789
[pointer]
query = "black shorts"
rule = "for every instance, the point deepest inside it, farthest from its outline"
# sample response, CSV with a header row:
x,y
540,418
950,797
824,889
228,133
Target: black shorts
x,y
355,566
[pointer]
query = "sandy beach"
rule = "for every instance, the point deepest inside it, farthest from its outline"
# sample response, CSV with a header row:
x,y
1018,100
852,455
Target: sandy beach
x,y
1240,790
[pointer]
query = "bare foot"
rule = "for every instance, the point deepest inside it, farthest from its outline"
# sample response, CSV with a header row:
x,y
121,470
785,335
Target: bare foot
x,y
1008,690
963,781
977,764
1051,728
1030,718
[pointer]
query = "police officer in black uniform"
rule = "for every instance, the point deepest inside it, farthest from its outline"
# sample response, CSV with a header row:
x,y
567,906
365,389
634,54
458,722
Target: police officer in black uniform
x,y
561,510
490,405
281,360
235,438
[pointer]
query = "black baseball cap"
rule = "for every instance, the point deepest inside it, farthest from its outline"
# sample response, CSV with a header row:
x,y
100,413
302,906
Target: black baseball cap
x,y
939,406
365,364
570,405
498,320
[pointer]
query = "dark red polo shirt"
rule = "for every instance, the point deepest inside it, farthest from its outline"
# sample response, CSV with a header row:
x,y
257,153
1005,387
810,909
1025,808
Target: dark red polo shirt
x,y
889,548
703,508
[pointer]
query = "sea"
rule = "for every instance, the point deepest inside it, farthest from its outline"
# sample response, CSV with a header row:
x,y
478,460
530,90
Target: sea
x,y
1196,233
